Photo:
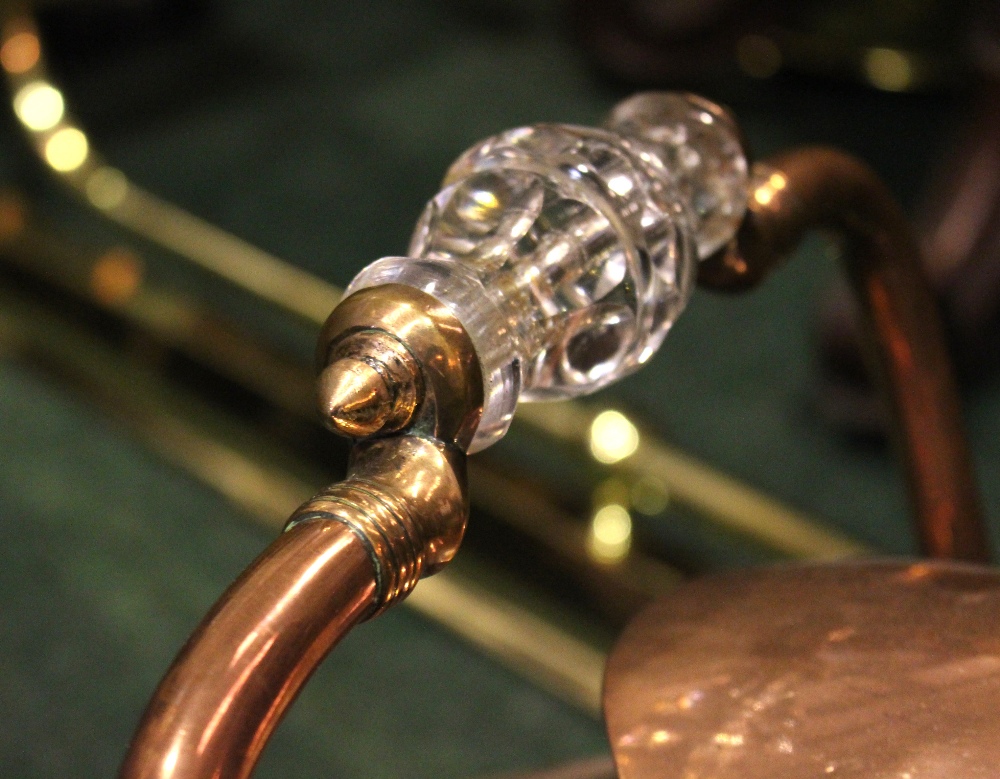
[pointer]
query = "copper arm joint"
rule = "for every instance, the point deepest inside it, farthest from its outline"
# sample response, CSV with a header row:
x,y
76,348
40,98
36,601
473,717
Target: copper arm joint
x,y
811,188
401,362
398,373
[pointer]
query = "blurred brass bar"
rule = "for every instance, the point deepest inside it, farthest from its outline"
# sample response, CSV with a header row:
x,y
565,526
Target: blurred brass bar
x,y
823,188
622,587
233,681
262,274
571,668
714,495
115,280
112,193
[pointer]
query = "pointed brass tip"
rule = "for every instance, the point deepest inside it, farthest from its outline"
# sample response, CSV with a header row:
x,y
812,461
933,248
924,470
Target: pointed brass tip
x,y
372,385
354,398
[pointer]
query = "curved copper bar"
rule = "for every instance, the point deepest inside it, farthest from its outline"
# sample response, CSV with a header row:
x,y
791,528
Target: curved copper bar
x,y
227,690
824,188
347,554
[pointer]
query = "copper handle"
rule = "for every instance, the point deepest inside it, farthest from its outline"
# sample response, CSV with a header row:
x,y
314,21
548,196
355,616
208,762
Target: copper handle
x,y
823,188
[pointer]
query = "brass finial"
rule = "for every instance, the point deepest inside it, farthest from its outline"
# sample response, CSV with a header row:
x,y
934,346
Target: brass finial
x,y
354,398
371,385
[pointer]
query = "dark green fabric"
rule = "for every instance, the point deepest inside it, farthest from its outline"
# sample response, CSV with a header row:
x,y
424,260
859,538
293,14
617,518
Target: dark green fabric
x,y
318,130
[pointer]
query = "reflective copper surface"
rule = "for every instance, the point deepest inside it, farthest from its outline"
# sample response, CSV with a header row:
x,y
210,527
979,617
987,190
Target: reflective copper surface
x,y
824,188
852,671
230,685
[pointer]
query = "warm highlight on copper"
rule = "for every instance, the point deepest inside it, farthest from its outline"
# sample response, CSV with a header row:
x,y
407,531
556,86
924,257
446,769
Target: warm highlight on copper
x,y
828,189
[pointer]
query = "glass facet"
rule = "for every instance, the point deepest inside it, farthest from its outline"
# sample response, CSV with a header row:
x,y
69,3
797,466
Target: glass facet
x,y
568,252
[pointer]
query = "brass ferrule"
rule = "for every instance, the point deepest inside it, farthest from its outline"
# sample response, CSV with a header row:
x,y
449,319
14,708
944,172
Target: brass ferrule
x,y
405,498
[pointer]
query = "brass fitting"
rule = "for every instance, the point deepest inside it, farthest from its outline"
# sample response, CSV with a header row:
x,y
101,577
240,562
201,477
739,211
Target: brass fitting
x,y
371,385
405,497
392,358
399,373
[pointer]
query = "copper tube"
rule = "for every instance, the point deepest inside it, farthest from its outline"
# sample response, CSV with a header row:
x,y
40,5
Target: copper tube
x,y
347,554
823,188
233,681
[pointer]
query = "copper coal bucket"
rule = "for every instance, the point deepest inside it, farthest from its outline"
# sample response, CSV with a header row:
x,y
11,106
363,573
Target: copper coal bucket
x,y
882,669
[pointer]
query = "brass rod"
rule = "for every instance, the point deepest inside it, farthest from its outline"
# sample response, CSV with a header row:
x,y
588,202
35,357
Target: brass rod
x,y
714,495
824,188
571,668
239,262
108,190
